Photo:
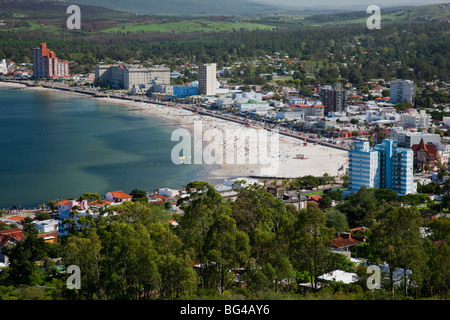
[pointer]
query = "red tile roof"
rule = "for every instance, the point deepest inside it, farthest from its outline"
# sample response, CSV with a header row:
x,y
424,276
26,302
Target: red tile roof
x,y
346,240
359,229
16,218
429,148
120,195
103,203
7,235
315,198
63,202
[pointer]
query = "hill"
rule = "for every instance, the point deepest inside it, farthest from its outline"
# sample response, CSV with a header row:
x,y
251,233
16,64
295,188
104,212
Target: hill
x,y
188,7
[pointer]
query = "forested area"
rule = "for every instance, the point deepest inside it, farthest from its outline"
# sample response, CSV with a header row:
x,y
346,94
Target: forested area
x,y
356,54
273,247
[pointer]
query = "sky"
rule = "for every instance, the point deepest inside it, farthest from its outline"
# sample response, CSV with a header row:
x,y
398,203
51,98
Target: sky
x,y
334,3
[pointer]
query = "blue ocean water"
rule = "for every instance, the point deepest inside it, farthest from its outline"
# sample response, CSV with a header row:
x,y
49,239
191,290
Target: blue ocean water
x,y
54,145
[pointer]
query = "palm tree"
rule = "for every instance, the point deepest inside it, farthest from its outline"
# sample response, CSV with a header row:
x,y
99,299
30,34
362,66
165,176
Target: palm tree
x,y
446,186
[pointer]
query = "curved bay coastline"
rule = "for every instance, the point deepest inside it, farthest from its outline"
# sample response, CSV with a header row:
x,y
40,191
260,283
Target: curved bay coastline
x,y
14,176
319,159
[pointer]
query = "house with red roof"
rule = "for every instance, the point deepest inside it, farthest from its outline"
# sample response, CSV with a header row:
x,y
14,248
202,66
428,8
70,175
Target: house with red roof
x,y
315,198
100,203
118,196
425,154
16,218
11,236
65,207
345,241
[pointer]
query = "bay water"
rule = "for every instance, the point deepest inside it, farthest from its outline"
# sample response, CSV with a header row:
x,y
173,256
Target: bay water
x,y
55,145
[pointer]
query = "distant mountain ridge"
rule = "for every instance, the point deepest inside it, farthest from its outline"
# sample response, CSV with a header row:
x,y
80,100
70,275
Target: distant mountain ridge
x,y
50,6
188,7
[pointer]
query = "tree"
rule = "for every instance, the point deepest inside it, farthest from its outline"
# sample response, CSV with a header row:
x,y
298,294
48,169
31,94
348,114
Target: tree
x,y
309,182
86,254
226,247
440,228
345,179
440,269
89,196
177,275
204,206
42,216
336,220
311,242
335,194
52,205
361,208
22,257
129,269
446,186
324,202
396,240
137,193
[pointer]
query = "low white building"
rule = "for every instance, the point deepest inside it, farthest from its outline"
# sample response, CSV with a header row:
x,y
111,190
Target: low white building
x,y
339,276
254,106
407,138
414,119
168,192
246,96
148,88
446,121
45,226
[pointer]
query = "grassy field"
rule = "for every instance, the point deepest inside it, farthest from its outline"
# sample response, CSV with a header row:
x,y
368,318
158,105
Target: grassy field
x,y
190,26
45,17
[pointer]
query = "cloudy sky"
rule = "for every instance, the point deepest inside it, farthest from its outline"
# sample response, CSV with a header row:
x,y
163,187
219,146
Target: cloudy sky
x,y
381,3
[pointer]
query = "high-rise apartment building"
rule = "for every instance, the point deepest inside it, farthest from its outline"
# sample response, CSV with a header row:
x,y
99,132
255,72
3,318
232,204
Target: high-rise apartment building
x,y
402,91
384,166
47,65
334,98
364,166
207,79
396,167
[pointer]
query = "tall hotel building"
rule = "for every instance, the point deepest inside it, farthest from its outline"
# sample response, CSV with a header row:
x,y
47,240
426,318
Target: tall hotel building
x,y
333,98
401,91
384,166
207,79
128,77
47,65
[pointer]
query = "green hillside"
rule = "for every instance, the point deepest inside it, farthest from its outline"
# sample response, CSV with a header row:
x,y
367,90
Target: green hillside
x,y
51,16
187,7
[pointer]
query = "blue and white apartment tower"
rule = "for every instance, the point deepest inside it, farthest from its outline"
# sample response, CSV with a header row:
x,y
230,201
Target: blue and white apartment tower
x,y
363,166
384,166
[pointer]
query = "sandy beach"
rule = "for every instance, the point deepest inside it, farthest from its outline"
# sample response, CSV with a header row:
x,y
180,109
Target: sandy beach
x,y
283,160
317,161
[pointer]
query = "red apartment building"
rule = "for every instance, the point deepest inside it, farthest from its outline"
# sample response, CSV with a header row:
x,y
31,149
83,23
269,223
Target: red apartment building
x,y
47,65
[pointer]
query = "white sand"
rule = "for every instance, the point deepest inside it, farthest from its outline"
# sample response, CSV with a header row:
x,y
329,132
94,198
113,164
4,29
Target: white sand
x,y
12,85
320,159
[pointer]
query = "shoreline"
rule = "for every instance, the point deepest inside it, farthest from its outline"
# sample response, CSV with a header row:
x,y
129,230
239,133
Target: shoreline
x,y
318,161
